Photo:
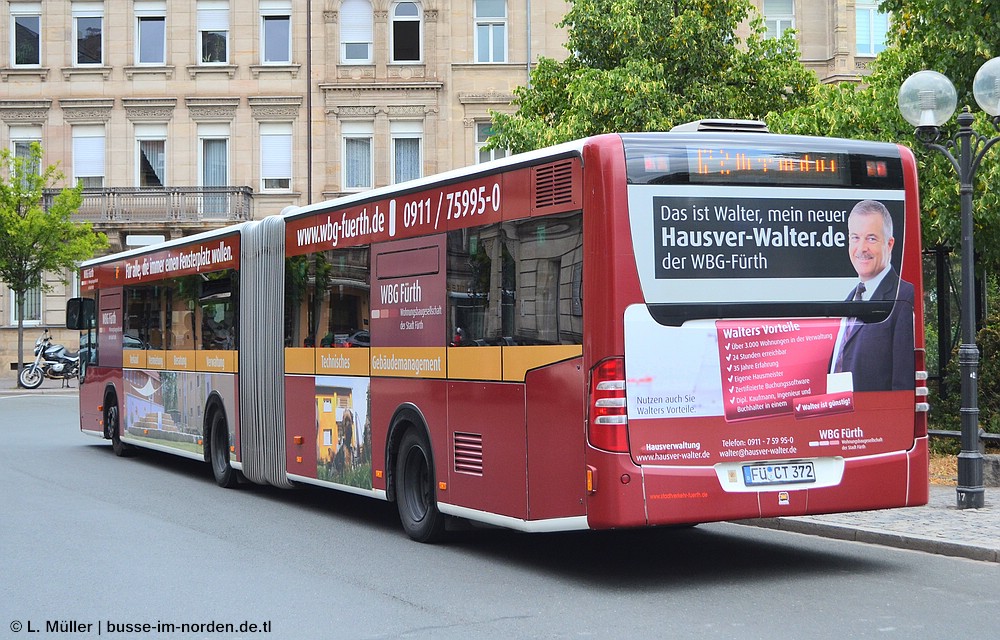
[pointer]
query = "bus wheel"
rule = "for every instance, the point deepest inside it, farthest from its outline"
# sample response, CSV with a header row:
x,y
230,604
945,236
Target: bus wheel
x,y
225,475
415,490
113,426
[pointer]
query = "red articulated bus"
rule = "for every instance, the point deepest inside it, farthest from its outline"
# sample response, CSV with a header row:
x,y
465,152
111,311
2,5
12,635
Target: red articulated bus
x,y
628,330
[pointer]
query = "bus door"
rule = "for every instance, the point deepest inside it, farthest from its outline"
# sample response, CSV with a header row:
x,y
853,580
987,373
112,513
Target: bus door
x,y
100,358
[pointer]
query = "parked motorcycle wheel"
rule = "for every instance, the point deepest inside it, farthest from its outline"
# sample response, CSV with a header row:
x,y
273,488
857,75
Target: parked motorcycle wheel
x,y
31,377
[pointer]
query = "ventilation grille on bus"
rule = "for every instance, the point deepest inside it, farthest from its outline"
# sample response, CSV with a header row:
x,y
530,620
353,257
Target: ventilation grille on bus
x,y
469,453
554,184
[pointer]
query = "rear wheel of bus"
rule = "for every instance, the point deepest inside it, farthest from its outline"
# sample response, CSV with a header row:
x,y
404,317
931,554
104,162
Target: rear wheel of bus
x,y
218,438
415,489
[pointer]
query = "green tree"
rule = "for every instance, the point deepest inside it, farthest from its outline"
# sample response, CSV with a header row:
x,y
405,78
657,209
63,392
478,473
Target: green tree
x,y
954,39
641,65
38,237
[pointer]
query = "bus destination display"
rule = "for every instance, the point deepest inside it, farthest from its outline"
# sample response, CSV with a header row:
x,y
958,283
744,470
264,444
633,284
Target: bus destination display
x,y
746,165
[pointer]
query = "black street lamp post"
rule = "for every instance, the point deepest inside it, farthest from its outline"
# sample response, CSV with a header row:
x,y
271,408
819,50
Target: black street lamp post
x,y
927,100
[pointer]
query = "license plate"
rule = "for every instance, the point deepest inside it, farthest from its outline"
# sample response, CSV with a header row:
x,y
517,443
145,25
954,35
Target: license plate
x,y
789,473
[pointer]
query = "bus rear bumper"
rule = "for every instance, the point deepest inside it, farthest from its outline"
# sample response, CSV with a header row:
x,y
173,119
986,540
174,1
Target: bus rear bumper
x,y
670,495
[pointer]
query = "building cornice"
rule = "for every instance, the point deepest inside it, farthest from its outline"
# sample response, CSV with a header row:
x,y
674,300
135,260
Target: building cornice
x,y
86,109
25,111
367,87
149,109
266,107
212,109
489,96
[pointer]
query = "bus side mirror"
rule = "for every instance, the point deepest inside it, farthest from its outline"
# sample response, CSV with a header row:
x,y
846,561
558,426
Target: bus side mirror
x,y
80,313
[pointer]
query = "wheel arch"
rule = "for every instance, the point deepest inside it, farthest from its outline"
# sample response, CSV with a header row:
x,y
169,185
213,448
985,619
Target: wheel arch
x,y
110,397
407,416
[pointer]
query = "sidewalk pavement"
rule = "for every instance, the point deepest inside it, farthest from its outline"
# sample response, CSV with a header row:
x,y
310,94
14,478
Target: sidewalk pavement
x,y
939,527
48,388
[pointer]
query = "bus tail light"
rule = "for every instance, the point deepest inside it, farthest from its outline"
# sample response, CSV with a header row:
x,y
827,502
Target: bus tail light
x,y
921,392
608,423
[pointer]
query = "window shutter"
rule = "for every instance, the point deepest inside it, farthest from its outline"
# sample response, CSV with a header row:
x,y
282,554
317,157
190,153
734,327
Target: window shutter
x,y
88,151
213,16
276,150
356,21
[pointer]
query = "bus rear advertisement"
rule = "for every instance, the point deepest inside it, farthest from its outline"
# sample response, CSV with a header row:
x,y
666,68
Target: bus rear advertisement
x,y
628,330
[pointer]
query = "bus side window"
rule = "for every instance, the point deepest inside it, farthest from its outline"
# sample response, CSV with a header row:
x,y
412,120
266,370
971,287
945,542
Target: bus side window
x,y
344,320
481,285
183,313
546,291
218,305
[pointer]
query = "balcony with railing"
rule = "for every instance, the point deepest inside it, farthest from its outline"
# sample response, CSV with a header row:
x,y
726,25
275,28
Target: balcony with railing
x,y
210,206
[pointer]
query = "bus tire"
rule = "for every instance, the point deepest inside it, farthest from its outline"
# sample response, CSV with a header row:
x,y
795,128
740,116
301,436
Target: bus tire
x,y
112,423
218,448
416,496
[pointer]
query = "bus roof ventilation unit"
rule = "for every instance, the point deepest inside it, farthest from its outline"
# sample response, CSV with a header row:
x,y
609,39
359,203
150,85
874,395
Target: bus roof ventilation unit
x,y
723,124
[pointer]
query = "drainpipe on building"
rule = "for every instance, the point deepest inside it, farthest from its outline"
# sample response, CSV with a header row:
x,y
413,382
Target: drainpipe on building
x,y
309,137
528,28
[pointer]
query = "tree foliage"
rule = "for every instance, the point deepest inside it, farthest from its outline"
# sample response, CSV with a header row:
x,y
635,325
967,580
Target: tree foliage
x,y
954,39
640,65
38,236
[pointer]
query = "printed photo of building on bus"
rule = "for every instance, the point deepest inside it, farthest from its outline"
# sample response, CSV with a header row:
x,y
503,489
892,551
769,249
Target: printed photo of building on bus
x,y
167,407
344,436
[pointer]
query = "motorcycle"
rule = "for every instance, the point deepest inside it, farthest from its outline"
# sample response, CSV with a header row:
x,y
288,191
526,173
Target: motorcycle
x,y
53,361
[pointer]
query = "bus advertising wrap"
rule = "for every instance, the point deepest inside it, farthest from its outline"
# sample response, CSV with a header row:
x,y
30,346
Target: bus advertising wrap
x,y
805,380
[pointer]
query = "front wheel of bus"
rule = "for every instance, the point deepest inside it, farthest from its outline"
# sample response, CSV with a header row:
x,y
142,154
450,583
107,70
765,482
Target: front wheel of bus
x,y
113,427
415,490
225,475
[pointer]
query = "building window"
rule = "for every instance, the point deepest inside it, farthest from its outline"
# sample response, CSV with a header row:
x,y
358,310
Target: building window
x,y
276,31
483,132
22,151
151,155
356,32
213,31
358,155
406,32
214,161
26,25
32,306
491,31
871,28
151,32
276,156
21,139
88,154
407,163
779,16
88,20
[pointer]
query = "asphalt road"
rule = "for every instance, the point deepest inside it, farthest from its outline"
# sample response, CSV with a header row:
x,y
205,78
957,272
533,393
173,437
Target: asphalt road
x,y
90,539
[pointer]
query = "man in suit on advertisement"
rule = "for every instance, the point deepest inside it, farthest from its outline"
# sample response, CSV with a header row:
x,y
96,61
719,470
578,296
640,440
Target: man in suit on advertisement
x,y
879,355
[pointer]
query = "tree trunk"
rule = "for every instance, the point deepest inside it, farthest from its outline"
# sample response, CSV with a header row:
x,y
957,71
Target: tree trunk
x,y
19,303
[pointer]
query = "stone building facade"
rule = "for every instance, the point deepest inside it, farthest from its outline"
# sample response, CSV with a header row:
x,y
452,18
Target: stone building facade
x,y
192,114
